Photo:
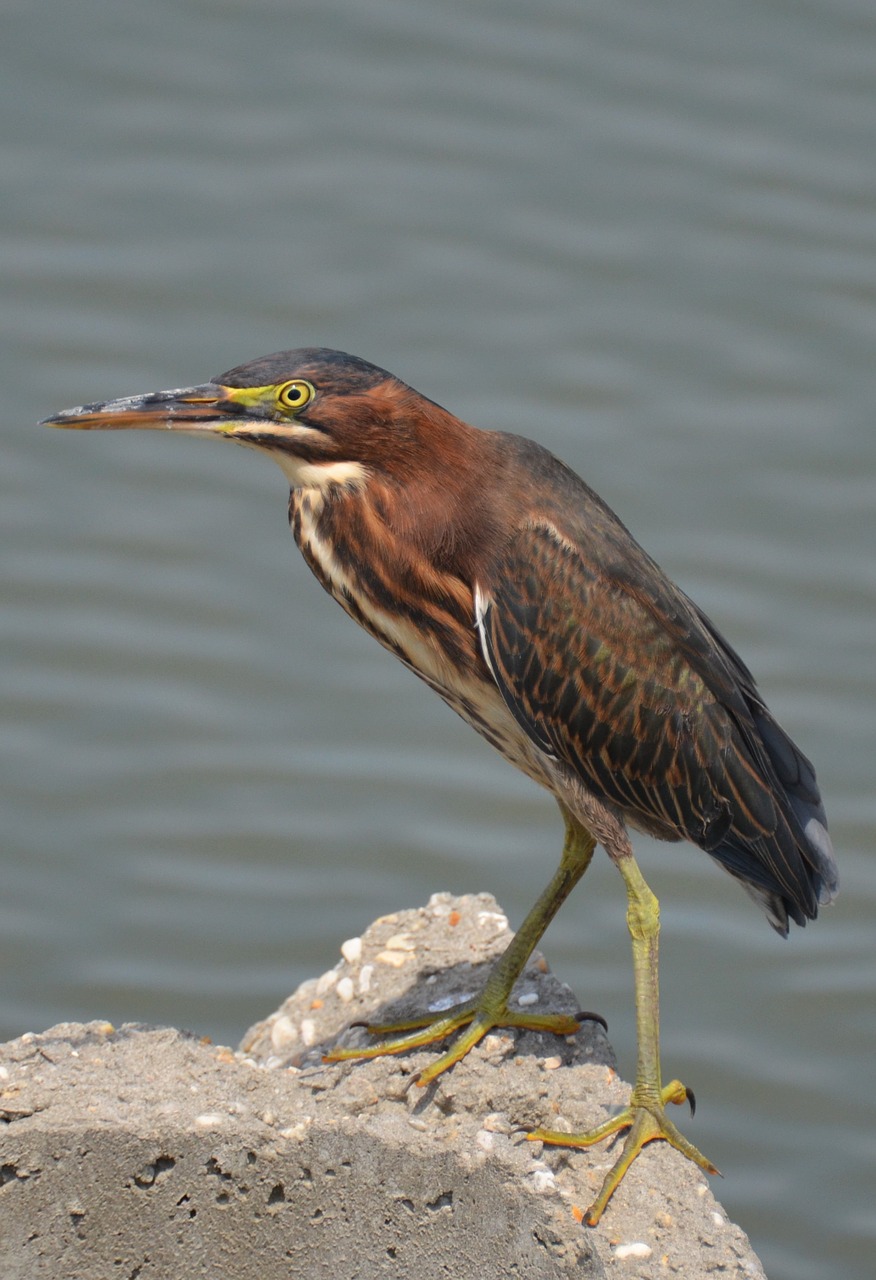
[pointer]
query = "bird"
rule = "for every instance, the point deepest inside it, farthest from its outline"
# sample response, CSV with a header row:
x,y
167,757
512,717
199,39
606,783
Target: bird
x,y
500,578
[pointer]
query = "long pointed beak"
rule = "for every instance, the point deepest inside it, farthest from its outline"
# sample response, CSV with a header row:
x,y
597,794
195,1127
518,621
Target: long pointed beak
x,y
207,408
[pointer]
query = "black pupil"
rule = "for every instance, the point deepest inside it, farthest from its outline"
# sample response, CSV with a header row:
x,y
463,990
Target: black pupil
x,y
294,393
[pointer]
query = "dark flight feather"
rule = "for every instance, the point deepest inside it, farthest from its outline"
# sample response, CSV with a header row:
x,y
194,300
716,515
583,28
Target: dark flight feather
x,y
613,671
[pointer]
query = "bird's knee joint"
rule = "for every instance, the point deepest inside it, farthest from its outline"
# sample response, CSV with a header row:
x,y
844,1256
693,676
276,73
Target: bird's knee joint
x,y
643,919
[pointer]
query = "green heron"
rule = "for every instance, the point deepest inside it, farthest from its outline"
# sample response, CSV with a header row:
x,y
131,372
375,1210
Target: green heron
x,y
497,576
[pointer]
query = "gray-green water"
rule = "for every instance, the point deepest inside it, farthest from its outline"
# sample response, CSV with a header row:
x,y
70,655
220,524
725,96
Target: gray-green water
x,y
644,234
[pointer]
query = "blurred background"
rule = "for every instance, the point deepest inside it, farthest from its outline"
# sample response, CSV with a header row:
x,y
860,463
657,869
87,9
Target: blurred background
x,y
643,234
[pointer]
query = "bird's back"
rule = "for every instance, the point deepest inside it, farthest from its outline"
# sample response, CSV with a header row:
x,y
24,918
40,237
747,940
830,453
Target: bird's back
x,y
618,675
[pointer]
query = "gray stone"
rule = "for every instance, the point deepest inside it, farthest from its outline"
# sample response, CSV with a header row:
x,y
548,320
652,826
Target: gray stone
x,y
145,1152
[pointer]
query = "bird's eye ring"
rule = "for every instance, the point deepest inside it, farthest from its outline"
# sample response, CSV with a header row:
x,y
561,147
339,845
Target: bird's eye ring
x,y
295,394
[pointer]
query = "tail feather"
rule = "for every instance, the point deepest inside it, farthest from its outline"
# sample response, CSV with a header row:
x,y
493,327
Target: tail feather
x,y
797,778
777,845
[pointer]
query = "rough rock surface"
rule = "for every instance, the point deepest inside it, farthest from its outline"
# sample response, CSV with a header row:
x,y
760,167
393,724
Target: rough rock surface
x,y
144,1152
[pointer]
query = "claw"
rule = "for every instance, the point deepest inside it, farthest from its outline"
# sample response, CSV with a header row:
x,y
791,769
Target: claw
x,y
583,1016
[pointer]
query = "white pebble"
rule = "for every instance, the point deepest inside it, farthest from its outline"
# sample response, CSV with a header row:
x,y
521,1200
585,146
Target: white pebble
x,y
308,1031
297,1132
351,950
346,990
495,918
542,1180
326,982
394,958
497,1122
284,1032
400,942
638,1249
210,1120
365,975
528,997
495,1043
718,1219
484,1139
449,1002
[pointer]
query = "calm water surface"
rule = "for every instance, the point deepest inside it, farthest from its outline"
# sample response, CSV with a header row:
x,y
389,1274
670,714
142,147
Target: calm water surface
x,y
644,234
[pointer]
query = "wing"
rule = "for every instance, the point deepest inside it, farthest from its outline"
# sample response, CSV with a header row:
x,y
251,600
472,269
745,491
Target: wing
x,y
612,670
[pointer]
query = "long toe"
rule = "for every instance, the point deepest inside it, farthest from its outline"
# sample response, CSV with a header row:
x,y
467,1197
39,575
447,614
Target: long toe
x,y
474,1020
646,1122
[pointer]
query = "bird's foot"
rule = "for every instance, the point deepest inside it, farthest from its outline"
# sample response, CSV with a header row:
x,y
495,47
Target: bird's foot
x,y
646,1120
477,1017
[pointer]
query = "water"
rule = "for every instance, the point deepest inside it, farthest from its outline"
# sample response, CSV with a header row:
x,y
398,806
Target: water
x,y
643,234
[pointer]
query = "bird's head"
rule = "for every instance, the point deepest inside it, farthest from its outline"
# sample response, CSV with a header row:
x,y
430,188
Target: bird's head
x,y
329,419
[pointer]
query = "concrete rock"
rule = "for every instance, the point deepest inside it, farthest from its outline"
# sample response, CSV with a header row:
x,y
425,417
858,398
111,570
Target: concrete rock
x,y
145,1152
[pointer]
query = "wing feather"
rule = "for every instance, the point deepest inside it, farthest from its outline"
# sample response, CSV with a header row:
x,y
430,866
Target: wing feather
x,y
611,670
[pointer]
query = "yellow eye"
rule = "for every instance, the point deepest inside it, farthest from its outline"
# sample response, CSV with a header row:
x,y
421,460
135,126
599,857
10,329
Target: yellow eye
x,y
295,394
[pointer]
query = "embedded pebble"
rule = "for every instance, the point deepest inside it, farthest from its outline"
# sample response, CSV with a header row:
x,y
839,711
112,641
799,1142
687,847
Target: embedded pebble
x,y
495,1043
551,1064
284,1032
484,1139
400,942
308,1031
326,982
365,975
307,990
449,1002
210,1120
528,997
542,1180
351,950
637,1249
346,990
496,1122
394,958
496,918
297,1132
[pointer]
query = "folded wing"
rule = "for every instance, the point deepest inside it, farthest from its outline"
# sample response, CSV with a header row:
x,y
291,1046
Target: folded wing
x,y
616,674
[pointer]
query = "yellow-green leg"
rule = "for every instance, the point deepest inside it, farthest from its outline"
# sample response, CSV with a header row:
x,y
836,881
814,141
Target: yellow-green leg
x,y
490,1008
645,1117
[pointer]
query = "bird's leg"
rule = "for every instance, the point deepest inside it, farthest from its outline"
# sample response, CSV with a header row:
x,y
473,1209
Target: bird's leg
x,y
645,1117
490,1008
